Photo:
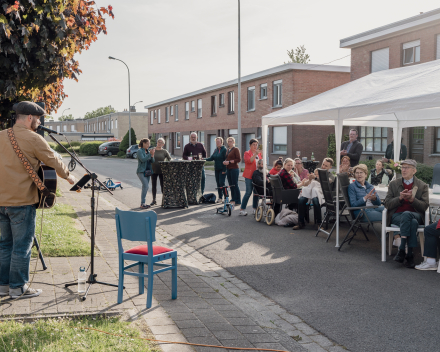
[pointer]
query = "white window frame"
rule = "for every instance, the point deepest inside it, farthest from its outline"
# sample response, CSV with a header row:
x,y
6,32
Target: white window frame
x,y
72,128
64,128
380,60
369,135
171,110
112,124
213,105
199,108
167,118
231,102
263,89
116,123
201,137
193,105
221,100
413,49
58,128
187,110
158,115
251,98
180,140
177,112
279,140
151,117
277,93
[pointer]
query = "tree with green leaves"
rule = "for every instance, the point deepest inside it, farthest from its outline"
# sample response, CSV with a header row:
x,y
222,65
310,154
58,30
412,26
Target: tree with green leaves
x,y
124,144
38,42
66,118
298,55
99,112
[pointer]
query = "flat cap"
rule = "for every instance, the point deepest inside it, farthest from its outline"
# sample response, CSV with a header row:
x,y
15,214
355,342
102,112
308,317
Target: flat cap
x,y
28,108
409,162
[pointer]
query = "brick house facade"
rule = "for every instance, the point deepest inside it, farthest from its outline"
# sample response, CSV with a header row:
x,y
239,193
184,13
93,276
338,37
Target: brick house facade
x,y
260,93
407,42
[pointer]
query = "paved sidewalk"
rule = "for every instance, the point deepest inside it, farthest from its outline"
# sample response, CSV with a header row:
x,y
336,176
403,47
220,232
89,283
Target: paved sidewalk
x,y
213,307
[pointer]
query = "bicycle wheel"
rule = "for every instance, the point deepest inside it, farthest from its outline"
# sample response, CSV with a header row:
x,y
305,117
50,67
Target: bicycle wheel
x,y
72,165
270,217
259,213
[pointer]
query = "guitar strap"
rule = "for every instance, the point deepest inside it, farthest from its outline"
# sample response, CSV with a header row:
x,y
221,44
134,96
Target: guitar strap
x,y
27,165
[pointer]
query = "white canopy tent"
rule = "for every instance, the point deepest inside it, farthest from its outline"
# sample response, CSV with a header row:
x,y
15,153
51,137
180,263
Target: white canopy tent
x,y
398,98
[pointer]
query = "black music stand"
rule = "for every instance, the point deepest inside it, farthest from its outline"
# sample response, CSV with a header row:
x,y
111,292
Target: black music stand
x,y
77,188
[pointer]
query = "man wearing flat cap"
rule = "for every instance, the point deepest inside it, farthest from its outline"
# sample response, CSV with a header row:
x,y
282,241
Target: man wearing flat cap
x,y
407,200
19,198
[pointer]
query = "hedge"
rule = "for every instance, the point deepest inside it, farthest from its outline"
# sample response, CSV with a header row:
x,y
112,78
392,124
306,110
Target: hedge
x,y
331,149
90,148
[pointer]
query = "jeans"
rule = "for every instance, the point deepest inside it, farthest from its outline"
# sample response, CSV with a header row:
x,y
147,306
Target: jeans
x,y
431,237
145,183
202,183
408,223
373,214
17,231
248,193
303,208
154,184
220,180
233,181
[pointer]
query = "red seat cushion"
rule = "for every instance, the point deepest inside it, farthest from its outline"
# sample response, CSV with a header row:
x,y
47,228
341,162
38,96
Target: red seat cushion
x,y
143,250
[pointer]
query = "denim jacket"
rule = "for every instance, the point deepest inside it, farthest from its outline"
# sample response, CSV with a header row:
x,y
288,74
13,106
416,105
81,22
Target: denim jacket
x,y
144,160
356,193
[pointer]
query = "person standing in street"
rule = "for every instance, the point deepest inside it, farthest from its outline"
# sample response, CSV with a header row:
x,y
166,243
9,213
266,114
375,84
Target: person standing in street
x,y
250,165
160,154
19,198
144,170
196,149
219,156
352,148
233,158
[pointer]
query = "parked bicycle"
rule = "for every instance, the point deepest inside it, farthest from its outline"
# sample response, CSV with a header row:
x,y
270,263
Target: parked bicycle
x,y
72,164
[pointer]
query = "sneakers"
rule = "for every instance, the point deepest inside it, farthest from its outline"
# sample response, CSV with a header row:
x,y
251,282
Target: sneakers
x,y
4,290
145,206
24,292
219,200
153,202
242,213
426,266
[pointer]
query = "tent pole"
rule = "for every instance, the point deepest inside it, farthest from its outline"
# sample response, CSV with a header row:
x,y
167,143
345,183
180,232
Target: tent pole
x,y
397,137
264,143
338,137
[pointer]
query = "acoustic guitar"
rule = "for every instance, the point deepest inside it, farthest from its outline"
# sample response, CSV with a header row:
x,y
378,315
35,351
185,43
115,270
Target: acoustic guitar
x,y
49,177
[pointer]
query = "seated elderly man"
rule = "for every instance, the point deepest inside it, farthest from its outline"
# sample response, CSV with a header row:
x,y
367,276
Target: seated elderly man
x,y
432,233
302,202
407,200
257,178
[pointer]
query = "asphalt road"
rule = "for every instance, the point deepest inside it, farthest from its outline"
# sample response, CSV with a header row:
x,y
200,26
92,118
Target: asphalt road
x,y
350,296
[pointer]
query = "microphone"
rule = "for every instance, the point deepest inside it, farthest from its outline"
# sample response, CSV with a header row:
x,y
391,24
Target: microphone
x,y
45,129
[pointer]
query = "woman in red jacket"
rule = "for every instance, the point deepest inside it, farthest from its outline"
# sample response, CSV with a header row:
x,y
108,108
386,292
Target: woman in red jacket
x,y
250,165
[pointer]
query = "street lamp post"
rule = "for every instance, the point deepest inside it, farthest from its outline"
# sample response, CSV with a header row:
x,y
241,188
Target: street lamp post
x,y
129,104
239,82
140,101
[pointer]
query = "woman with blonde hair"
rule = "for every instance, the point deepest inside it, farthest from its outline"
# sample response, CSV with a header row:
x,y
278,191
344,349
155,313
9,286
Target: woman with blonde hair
x,y
233,158
144,170
160,154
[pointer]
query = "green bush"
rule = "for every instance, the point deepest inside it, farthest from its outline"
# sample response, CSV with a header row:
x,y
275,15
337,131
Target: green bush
x,y
59,149
90,148
75,143
331,149
52,145
371,164
124,144
425,172
121,154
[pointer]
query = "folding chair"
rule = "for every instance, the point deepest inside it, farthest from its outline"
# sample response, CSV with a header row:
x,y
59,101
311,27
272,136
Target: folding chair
x,y
355,222
141,226
330,204
393,228
280,195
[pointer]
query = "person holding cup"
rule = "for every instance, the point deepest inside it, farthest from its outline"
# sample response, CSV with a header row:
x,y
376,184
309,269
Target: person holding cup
x,y
233,158
250,165
219,156
144,170
160,154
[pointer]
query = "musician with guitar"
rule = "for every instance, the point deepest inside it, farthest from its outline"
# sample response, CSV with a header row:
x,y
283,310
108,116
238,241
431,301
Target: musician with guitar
x,y
22,191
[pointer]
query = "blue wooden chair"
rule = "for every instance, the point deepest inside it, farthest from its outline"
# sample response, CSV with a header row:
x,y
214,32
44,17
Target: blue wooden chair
x,y
141,226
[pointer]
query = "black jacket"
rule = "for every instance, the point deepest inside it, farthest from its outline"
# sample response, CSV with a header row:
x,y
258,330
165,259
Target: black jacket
x,y
389,154
257,178
355,152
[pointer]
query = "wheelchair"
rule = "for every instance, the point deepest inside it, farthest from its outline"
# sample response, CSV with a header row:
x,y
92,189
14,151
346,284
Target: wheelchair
x,y
265,207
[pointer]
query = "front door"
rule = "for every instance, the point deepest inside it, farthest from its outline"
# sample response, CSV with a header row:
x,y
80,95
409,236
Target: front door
x,y
417,135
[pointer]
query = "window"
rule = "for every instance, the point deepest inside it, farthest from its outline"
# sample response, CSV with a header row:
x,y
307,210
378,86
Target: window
x,y
234,133
437,140
251,99
177,140
201,137
155,114
280,140
116,122
380,60
231,102
193,106
65,128
151,117
411,52
263,91
177,113
58,129
158,115
72,128
277,88
221,100
171,110
187,110
199,108
167,119
112,124
438,47
374,139
185,139
214,105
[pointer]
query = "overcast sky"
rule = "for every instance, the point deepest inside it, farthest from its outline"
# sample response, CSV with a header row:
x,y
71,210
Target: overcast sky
x,y
174,47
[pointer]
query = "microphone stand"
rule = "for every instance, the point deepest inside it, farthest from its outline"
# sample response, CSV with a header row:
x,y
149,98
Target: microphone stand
x,y
92,278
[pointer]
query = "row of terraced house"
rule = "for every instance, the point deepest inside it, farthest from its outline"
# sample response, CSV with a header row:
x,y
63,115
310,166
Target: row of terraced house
x,y
212,111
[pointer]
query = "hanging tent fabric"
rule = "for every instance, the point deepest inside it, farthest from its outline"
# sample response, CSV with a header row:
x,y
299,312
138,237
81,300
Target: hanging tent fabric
x,y
397,98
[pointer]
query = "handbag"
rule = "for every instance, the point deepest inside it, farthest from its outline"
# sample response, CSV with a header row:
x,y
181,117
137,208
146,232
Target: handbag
x,y
148,173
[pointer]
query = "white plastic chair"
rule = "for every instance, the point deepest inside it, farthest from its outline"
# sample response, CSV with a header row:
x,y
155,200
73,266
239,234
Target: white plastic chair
x,y
392,229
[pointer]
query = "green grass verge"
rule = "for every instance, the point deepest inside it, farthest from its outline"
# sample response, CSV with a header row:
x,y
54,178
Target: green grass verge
x,y
60,237
65,335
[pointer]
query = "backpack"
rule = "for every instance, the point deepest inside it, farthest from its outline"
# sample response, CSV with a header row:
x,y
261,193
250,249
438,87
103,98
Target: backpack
x,y
208,198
